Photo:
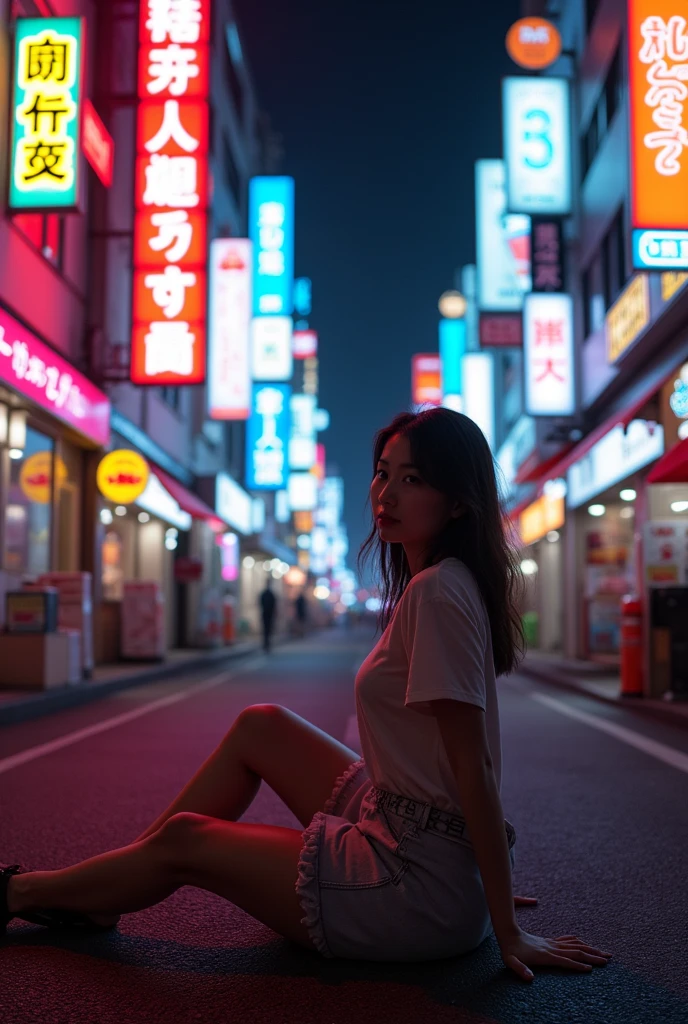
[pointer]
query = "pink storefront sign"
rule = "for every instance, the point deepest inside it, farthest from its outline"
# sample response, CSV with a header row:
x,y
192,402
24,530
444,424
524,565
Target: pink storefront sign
x,y
38,373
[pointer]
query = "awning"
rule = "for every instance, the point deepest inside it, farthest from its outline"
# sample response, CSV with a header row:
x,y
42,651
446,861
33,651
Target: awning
x,y
590,440
672,468
533,469
191,503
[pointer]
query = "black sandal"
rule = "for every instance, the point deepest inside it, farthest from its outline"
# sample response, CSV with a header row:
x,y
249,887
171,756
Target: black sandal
x,y
49,918
5,874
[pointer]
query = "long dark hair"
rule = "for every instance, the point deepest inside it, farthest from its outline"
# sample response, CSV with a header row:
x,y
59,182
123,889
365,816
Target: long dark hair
x,y
452,455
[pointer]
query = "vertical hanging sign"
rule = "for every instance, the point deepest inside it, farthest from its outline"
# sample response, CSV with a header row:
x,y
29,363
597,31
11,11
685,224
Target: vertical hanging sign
x,y
46,114
271,229
171,192
229,377
658,72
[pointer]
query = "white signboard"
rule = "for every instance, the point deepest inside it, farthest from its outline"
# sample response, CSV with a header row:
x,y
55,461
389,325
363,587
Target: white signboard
x,y
618,454
537,147
157,500
233,504
303,492
665,551
302,453
477,370
282,510
502,241
548,355
229,298
271,357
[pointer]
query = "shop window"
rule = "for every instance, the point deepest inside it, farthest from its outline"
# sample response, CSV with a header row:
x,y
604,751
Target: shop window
x,y
171,396
614,258
231,170
594,303
68,476
45,232
235,86
590,12
31,225
28,512
113,565
606,107
613,87
53,238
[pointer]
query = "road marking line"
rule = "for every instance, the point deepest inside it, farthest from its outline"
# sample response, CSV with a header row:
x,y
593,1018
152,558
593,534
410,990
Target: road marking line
x,y
109,723
658,750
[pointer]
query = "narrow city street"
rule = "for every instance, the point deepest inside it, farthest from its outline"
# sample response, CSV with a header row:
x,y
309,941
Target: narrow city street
x,y
597,795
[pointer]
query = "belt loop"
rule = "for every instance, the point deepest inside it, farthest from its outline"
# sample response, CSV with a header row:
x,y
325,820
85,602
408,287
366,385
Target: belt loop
x,y
425,814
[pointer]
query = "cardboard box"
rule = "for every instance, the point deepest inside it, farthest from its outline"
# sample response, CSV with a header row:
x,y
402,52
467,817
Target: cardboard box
x,y
35,662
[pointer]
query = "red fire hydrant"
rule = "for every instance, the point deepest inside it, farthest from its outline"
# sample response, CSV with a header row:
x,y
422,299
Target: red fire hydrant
x,y
631,646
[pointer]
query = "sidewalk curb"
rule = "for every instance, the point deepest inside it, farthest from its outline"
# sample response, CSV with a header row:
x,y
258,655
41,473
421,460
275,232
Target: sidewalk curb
x,y
640,705
46,702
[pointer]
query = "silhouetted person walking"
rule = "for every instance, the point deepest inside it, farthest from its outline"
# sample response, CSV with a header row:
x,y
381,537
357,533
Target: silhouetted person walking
x,y
268,606
301,614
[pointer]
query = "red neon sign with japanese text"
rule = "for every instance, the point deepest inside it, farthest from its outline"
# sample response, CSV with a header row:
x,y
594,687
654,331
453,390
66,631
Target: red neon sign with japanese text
x,y
168,343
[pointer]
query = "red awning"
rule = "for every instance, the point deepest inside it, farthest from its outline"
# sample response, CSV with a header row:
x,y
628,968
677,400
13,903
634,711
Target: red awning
x,y
672,468
590,440
189,502
532,469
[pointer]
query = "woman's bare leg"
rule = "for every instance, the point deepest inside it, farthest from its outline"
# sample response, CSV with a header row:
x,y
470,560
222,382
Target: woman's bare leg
x,y
223,787
253,866
296,759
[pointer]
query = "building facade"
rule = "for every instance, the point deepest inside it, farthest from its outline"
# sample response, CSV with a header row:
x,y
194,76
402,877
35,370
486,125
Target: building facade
x,y
600,498
68,296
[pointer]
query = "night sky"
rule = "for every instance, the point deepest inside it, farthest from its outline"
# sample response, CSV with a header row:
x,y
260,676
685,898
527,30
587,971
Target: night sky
x,y
383,108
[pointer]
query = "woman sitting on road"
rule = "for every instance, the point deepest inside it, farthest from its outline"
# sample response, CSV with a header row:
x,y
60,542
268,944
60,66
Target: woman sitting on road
x,y
406,854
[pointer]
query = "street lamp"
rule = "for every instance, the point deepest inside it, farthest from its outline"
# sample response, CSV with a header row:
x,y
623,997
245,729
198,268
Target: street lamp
x,y
452,305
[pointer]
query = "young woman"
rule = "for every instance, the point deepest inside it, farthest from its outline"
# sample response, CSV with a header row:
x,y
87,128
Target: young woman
x,y
406,854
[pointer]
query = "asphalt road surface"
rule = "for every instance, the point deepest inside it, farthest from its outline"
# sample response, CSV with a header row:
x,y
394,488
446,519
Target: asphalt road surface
x,y
598,795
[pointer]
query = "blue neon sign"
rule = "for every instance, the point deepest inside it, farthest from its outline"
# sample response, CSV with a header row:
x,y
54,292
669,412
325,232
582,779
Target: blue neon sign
x,y
660,250
267,437
271,229
452,351
302,296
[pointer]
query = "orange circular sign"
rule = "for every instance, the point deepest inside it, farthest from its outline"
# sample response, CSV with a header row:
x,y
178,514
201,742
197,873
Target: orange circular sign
x,y
533,43
122,476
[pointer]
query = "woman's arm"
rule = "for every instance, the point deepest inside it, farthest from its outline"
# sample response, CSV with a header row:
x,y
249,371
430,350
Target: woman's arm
x,y
462,727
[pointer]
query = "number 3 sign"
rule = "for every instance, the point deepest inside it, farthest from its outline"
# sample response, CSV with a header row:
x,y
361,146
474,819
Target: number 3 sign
x,y
537,145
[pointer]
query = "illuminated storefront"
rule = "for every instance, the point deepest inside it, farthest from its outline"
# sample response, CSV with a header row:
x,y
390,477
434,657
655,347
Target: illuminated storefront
x,y
540,527
51,419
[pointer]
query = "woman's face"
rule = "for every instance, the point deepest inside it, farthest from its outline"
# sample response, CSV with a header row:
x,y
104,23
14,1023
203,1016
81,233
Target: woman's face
x,y
407,510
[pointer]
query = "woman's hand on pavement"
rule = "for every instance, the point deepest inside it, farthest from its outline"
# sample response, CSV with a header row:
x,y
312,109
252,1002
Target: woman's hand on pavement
x,y
525,950
525,901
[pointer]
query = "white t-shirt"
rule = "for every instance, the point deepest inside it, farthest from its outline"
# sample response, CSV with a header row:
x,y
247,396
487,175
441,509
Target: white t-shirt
x,y
437,645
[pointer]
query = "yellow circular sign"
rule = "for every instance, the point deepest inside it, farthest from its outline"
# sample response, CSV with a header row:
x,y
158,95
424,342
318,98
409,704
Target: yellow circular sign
x,y
35,477
122,476
533,43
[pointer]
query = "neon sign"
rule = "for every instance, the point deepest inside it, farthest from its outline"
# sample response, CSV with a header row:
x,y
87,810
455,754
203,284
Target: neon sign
x,y
229,380
37,372
267,437
548,354
658,76
537,145
46,111
271,229
171,191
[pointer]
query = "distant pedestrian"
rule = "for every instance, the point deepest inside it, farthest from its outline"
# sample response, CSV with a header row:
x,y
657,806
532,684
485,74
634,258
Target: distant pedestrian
x,y
403,854
268,607
301,614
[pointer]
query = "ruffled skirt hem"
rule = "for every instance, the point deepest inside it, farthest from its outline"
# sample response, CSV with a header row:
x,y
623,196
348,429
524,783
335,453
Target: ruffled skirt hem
x,y
341,788
307,889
